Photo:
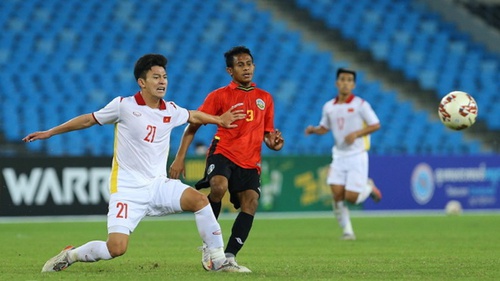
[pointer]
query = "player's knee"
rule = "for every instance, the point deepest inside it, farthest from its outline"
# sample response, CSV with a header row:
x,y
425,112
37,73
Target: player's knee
x,y
249,208
116,252
249,202
351,197
217,191
116,248
200,201
192,200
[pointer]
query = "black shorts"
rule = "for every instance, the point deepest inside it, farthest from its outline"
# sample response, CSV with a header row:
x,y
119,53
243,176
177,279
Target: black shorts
x,y
239,179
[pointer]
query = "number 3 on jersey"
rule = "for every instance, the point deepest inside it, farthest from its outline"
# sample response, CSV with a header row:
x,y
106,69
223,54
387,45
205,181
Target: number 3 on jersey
x,y
250,116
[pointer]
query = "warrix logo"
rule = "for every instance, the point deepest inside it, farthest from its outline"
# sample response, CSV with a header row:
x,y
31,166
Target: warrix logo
x,y
88,186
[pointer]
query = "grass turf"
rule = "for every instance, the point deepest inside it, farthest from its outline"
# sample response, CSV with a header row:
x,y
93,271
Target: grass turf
x,y
463,247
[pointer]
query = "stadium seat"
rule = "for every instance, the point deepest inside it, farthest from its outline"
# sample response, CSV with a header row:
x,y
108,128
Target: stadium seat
x,y
80,59
421,45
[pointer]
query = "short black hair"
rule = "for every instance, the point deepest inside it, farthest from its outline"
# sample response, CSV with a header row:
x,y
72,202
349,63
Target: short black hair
x,y
345,70
236,51
146,62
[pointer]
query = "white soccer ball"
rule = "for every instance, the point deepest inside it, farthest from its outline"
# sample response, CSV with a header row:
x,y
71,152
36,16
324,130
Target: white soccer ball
x,y
453,207
458,110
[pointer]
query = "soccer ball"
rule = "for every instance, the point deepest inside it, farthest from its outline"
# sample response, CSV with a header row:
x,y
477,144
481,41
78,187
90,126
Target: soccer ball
x,y
453,208
458,110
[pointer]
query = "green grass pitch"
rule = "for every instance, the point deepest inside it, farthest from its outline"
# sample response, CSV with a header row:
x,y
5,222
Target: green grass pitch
x,y
426,247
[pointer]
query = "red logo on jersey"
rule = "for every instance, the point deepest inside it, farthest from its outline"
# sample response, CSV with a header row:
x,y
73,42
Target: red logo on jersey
x,y
166,119
350,109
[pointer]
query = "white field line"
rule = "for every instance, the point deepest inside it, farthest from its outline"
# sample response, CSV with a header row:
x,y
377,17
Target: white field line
x,y
259,215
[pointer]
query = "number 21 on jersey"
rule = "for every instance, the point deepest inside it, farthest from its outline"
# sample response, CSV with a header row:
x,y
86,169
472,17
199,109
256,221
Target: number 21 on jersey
x,y
122,210
151,133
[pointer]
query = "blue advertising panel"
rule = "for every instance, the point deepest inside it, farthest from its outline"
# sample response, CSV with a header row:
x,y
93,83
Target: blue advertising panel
x,y
410,183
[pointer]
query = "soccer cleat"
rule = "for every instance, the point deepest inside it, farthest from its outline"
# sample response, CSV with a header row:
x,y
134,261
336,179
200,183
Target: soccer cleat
x,y
376,195
206,262
232,267
348,236
59,262
232,260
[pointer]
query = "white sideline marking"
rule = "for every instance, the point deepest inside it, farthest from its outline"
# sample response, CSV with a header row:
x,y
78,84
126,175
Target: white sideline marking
x,y
259,215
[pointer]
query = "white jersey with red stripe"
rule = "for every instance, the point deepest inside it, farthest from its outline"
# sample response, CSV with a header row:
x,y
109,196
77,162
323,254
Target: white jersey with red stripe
x,y
142,139
344,118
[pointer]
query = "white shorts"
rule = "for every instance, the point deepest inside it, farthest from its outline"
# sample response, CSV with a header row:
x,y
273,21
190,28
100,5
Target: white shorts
x,y
129,206
349,171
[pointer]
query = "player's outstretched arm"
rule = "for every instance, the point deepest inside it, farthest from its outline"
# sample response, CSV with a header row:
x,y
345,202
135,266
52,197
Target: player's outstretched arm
x,y
225,120
77,123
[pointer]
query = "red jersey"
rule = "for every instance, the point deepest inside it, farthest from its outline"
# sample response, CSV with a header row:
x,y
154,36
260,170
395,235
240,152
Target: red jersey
x,y
243,144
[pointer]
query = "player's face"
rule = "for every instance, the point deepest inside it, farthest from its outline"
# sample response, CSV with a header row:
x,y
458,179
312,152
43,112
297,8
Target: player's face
x,y
156,82
242,70
345,83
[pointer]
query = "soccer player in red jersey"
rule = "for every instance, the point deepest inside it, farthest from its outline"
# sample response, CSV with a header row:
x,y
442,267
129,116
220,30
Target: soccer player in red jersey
x,y
234,156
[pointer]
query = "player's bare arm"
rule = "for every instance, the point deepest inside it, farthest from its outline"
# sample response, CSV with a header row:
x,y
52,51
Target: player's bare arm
x,y
225,120
315,130
77,123
274,140
350,138
178,168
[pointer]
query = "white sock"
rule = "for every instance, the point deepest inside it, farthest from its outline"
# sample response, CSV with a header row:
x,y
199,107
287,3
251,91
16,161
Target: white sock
x,y
337,211
364,194
211,234
90,252
342,214
217,256
347,220
208,227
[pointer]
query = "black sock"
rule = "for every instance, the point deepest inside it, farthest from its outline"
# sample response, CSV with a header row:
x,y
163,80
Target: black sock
x,y
239,233
215,207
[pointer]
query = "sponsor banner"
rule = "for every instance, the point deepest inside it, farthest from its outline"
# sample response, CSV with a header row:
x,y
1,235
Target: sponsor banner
x,y
412,183
54,186
79,186
288,183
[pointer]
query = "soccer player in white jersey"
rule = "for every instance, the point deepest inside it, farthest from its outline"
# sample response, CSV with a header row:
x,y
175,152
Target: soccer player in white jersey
x,y
351,121
139,185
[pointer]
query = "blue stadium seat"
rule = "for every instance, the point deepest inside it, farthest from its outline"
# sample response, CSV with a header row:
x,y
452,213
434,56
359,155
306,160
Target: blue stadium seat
x,y
80,59
422,46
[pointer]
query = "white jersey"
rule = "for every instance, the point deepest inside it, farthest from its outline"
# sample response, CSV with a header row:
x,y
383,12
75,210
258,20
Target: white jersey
x,y
142,139
344,118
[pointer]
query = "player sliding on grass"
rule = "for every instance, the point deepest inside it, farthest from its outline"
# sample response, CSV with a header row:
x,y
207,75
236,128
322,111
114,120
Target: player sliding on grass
x,y
351,120
139,185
